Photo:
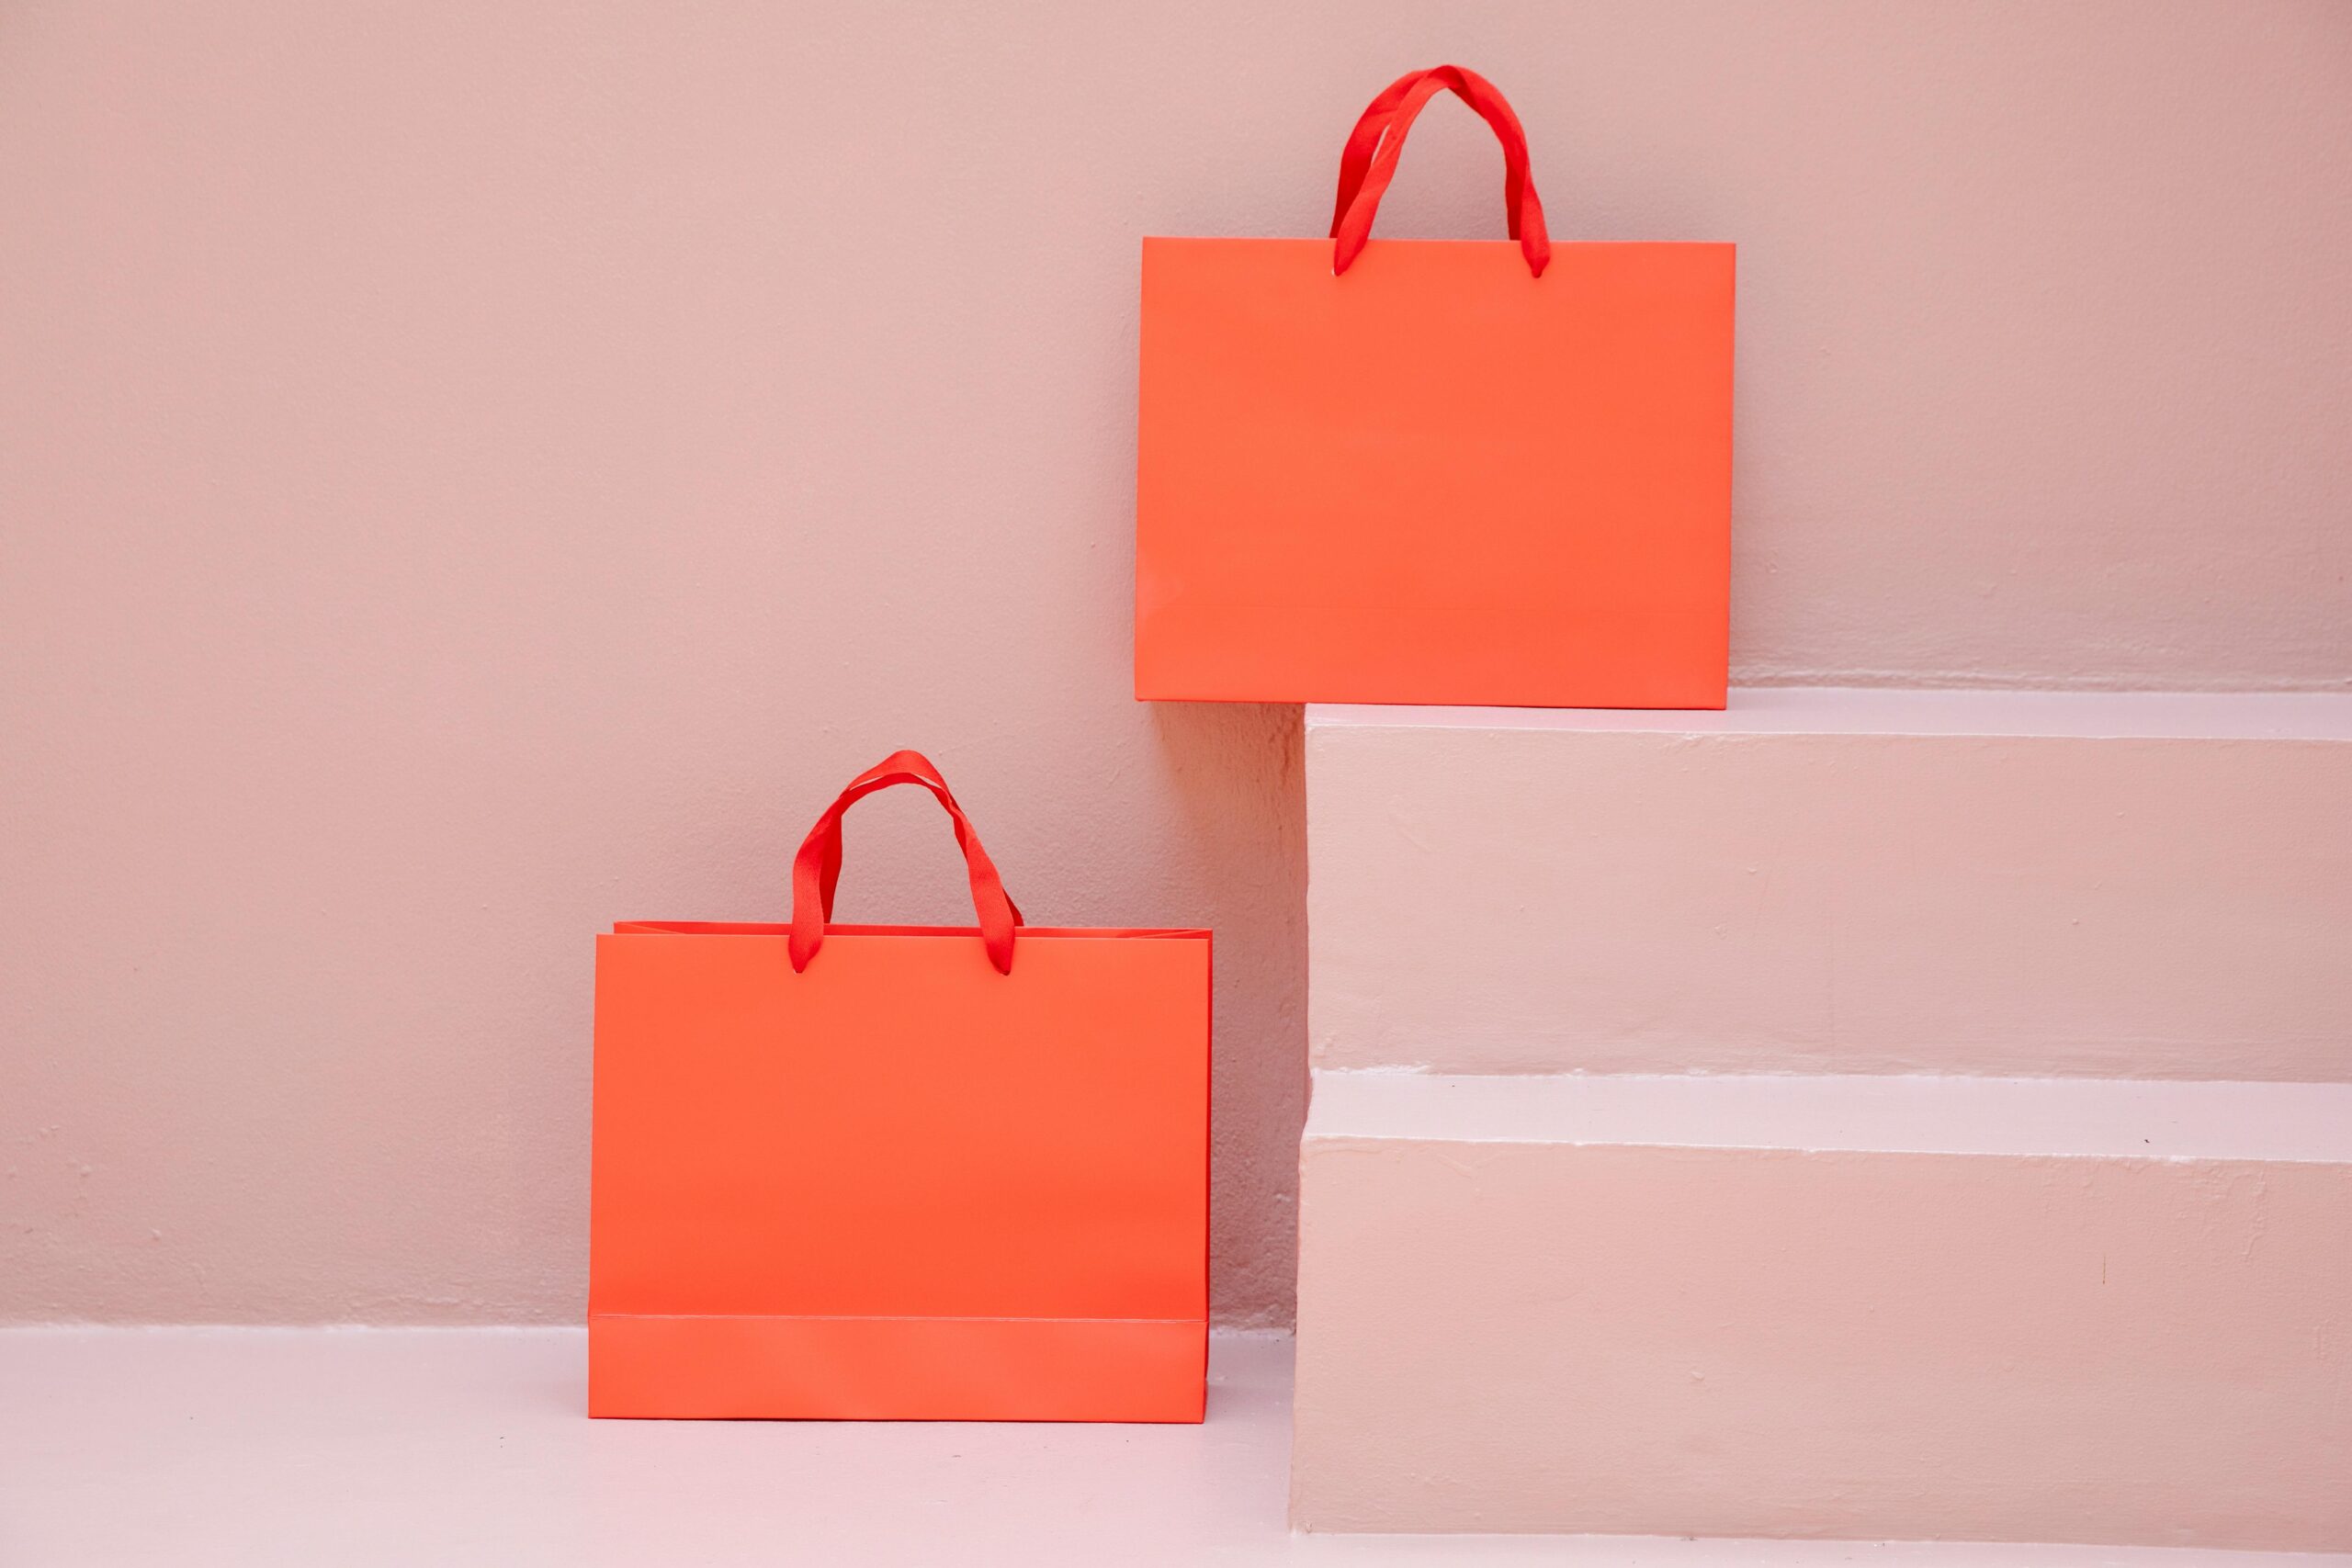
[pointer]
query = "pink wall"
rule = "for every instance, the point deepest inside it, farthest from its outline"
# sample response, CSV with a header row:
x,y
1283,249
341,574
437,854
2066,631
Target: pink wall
x,y
469,473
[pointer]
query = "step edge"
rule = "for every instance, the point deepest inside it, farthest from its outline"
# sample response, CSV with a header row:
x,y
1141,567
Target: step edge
x,y
1914,711
2128,1119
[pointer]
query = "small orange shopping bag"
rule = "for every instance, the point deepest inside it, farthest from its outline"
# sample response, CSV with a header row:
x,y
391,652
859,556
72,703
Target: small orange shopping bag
x,y
1434,472
900,1172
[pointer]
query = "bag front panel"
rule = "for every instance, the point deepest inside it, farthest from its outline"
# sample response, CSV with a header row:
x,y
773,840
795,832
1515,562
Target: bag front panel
x,y
901,1130
1436,478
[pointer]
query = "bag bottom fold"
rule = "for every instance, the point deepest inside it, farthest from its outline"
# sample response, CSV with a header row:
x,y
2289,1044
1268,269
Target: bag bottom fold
x,y
717,1367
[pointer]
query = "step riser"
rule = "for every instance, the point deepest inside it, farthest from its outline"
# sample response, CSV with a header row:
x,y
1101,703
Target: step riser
x,y
1524,898
1563,1337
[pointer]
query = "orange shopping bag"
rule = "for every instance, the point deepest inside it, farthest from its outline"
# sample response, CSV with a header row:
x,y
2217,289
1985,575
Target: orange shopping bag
x,y
1434,472
900,1171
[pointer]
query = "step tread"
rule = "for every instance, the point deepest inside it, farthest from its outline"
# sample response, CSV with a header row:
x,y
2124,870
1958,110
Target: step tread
x,y
1866,710
1885,1114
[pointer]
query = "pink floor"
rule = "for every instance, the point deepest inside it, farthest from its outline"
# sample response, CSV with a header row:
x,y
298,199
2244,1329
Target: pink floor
x,y
457,1446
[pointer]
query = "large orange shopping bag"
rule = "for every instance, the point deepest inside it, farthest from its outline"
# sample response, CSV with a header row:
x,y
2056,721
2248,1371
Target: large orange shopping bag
x,y
900,1171
1440,471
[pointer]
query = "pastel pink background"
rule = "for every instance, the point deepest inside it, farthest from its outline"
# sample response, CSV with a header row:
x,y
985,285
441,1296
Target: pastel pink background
x,y
469,473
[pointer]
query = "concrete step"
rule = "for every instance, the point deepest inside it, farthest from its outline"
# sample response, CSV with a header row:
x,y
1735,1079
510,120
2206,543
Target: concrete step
x,y
1865,1307
2005,882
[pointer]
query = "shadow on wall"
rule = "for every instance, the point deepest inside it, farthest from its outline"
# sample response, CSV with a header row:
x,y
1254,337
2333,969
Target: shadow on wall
x,y
1241,785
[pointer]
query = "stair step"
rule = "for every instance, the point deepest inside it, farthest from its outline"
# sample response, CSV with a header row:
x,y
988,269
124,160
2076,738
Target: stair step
x,y
1877,1307
2003,883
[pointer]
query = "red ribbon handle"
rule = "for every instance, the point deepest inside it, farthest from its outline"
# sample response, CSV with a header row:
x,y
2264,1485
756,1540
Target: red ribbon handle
x,y
1369,161
817,869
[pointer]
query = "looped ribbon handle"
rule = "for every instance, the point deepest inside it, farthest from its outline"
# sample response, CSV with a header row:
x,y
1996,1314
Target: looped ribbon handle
x,y
817,869
1369,161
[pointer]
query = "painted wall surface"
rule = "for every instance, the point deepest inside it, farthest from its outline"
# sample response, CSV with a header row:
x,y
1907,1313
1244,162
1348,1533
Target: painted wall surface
x,y
471,473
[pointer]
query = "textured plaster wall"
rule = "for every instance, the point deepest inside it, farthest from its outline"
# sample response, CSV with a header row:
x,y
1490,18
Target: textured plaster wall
x,y
472,472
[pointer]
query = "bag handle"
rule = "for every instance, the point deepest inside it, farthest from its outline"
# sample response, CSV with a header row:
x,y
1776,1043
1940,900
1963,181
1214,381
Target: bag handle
x,y
1369,161
817,869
